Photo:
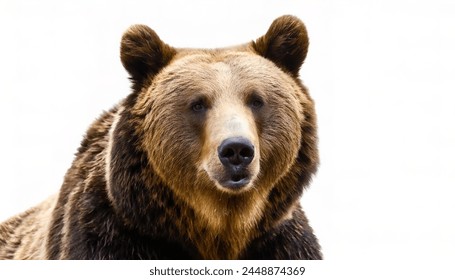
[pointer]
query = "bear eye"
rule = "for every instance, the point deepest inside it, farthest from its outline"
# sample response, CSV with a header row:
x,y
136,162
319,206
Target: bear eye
x,y
256,102
198,106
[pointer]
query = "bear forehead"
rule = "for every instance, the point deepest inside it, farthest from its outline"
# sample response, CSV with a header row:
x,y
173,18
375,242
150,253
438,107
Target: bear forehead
x,y
208,64
229,69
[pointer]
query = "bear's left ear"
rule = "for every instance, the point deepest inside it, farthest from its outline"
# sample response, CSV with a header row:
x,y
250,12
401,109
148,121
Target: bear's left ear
x,y
143,54
285,44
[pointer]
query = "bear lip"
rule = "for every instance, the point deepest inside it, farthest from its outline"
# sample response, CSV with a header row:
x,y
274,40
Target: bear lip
x,y
235,184
236,181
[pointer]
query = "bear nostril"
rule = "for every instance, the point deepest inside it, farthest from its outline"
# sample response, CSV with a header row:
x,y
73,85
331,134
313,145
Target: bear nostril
x,y
236,151
227,153
247,152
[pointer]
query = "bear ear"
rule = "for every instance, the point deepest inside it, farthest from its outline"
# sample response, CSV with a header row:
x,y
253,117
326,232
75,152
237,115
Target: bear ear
x,y
143,54
285,44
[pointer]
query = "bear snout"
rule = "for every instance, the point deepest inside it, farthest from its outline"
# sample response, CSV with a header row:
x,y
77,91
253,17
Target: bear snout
x,y
236,155
235,152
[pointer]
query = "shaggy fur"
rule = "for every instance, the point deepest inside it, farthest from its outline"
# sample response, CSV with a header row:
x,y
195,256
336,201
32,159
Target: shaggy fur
x,y
147,181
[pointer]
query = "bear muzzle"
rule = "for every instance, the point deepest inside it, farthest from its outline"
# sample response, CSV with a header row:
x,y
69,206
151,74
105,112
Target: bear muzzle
x,y
236,154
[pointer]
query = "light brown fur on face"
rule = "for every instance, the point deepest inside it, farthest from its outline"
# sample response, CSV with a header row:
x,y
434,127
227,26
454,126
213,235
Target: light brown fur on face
x,y
206,159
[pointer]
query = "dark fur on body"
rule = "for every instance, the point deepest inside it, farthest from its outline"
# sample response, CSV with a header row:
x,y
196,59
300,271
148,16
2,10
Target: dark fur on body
x,y
112,205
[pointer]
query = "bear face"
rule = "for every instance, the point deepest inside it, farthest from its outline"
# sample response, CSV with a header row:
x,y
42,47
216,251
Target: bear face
x,y
222,116
231,131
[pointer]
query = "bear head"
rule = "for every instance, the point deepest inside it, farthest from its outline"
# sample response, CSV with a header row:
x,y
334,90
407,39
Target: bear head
x,y
230,132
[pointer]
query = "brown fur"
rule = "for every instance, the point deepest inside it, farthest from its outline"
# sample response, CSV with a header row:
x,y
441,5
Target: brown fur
x,y
147,181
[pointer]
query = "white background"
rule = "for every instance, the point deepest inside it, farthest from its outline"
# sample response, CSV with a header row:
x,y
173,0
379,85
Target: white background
x,y
381,73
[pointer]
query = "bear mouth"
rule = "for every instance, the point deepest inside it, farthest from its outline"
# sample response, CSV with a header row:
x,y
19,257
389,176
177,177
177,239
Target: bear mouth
x,y
236,181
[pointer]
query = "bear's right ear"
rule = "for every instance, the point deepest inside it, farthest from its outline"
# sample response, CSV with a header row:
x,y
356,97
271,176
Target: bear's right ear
x,y
285,44
143,54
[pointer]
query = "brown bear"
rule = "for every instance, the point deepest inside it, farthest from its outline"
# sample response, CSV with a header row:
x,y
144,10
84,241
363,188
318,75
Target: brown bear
x,y
207,158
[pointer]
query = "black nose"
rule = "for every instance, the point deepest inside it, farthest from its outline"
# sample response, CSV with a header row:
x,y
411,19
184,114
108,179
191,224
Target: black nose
x,y
236,151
